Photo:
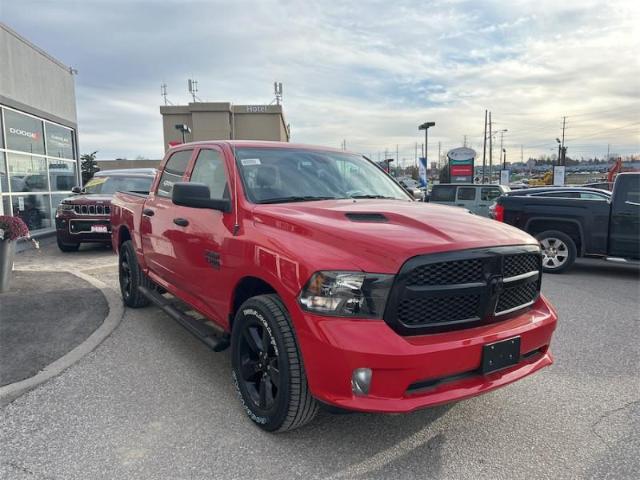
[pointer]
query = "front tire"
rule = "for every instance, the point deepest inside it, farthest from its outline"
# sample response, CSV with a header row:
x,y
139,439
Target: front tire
x,y
558,251
268,371
67,247
131,277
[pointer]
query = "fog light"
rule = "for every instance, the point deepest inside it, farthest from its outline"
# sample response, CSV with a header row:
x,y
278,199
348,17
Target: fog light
x,y
361,381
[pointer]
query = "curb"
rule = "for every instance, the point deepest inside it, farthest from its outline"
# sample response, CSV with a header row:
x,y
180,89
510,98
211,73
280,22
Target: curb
x,y
10,392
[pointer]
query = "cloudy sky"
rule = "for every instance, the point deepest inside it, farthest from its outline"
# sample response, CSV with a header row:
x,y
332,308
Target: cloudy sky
x,y
366,72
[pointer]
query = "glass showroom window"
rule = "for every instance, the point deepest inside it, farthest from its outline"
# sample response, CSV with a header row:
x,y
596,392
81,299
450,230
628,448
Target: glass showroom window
x,y
4,180
27,173
59,141
23,133
34,210
62,175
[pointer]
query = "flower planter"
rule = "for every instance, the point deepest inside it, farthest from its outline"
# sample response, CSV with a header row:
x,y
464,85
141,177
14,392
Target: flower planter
x,y
7,253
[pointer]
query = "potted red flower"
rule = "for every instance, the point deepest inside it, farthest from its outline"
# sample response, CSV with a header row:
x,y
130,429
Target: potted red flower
x,y
12,229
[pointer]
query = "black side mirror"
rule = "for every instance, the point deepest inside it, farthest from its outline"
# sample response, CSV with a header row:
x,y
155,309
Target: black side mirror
x,y
76,189
197,195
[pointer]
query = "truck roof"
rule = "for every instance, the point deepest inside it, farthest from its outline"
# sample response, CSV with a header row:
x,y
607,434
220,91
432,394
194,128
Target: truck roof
x,y
257,144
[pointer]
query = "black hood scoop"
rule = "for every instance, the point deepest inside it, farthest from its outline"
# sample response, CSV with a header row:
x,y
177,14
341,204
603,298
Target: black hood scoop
x,y
366,217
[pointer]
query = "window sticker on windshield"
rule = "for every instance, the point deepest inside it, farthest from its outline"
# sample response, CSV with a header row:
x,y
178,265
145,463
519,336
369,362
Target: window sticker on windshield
x,y
95,181
246,162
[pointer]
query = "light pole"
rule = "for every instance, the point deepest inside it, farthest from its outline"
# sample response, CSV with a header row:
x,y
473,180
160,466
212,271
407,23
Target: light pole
x,y
501,132
425,126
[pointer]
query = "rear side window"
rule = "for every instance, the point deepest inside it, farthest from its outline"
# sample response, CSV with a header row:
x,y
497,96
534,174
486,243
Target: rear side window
x,y
443,193
488,193
209,169
592,196
466,193
173,172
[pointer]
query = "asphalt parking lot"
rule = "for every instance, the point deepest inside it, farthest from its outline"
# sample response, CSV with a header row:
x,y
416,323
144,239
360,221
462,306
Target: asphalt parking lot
x,y
152,402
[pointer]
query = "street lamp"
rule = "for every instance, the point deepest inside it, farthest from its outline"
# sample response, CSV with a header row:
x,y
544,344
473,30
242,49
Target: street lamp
x,y
182,128
501,132
425,126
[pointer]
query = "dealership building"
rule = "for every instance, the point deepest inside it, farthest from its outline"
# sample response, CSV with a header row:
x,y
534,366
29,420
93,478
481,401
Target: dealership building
x,y
38,132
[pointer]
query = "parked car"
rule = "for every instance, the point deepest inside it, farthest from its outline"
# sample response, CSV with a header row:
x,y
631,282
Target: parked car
x,y
84,217
572,222
475,198
413,187
329,282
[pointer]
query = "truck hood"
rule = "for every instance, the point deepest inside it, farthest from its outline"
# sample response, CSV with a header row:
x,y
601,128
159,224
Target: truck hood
x,y
380,235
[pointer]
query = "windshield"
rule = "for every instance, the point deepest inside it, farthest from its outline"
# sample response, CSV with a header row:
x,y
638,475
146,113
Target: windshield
x,y
110,185
279,175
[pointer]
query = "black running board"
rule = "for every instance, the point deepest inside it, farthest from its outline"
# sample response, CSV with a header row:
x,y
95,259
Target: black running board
x,y
214,339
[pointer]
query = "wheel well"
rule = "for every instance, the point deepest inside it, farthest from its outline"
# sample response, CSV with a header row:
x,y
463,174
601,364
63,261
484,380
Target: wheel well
x,y
569,228
123,236
247,287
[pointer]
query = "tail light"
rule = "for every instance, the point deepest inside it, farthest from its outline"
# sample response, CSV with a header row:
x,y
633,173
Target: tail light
x,y
498,212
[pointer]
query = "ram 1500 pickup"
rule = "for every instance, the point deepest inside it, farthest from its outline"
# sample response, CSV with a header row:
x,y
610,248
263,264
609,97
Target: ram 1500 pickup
x,y
578,222
329,282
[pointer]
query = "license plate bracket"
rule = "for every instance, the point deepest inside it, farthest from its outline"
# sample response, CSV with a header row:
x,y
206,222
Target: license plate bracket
x,y
499,355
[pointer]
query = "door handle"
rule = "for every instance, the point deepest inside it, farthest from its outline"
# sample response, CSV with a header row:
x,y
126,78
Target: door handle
x,y
181,222
147,212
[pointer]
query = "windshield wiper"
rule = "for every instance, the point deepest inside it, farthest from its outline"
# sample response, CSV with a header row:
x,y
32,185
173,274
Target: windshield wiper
x,y
295,198
373,196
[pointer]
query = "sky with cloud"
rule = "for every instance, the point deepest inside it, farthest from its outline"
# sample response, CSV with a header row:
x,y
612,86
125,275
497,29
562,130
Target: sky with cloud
x,y
365,72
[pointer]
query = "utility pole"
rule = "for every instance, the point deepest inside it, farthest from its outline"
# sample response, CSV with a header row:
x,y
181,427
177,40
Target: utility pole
x,y
504,166
397,160
417,161
439,157
484,146
564,150
521,154
464,143
490,149
608,146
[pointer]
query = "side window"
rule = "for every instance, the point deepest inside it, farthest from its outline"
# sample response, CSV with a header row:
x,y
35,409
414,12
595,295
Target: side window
x,y
173,172
627,189
466,193
592,196
488,194
444,193
209,169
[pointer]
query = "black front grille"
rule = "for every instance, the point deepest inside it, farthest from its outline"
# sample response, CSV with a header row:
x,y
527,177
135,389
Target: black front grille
x,y
515,265
439,309
513,297
92,209
447,273
462,289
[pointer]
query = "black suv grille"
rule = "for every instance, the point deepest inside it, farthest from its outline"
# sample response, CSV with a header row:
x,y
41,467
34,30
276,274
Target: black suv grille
x,y
92,209
463,289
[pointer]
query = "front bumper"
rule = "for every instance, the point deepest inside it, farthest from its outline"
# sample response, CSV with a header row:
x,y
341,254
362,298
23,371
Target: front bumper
x,y
74,229
413,372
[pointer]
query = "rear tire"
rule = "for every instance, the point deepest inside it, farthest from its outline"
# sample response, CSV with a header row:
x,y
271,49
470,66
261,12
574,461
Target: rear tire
x,y
558,251
67,247
132,277
268,371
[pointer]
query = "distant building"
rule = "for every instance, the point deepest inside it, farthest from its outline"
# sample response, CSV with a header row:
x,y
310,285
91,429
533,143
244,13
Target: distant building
x,y
38,132
223,121
120,163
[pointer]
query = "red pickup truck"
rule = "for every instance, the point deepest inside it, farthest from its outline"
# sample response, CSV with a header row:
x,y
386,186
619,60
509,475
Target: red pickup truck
x,y
329,282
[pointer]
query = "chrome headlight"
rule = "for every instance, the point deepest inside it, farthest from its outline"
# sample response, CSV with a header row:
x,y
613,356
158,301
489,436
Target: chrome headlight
x,y
346,294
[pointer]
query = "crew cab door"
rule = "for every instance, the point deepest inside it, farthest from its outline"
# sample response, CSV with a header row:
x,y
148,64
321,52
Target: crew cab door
x,y
488,196
624,227
206,231
163,242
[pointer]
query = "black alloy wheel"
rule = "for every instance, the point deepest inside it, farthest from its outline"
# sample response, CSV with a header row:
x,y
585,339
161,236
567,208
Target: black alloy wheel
x,y
268,369
259,369
131,278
